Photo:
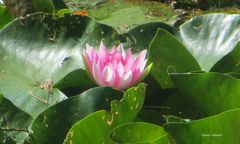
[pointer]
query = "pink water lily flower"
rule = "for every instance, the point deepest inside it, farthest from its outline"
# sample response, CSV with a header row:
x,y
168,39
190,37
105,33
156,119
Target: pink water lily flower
x,y
115,68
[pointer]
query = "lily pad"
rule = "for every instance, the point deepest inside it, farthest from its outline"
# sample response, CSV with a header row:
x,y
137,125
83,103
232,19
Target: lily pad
x,y
230,62
38,51
161,102
124,15
218,129
210,37
14,123
52,125
139,132
211,93
167,54
96,127
141,36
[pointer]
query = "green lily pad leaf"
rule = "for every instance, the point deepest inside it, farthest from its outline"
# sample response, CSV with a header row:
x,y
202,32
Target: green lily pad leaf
x,y
160,102
233,74
211,93
75,82
175,103
141,36
210,37
124,15
14,123
93,128
5,16
152,116
96,127
52,125
126,18
73,79
39,51
167,53
230,62
139,132
218,129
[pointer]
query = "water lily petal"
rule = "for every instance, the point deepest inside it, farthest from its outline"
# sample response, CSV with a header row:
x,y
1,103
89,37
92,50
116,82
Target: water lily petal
x,y
97,74
87,61
90,52
142,74
129,54
125,80
108,74
143,65
115,55
120,69
121,51
103,52
139,59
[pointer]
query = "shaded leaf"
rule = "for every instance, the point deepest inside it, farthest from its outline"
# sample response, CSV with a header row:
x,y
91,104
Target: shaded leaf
x,y
141,36
150,115
52,125
75,82
211,93
14,123
230,62
167,53
159,102
139,132
218,129
96,127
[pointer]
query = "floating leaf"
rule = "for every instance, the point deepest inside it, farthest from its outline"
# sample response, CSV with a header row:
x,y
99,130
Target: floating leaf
x,y
218,129
139,132
14,123
52,125
167,54
124,15
96,127
210,37
38,51
230,62
211,93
